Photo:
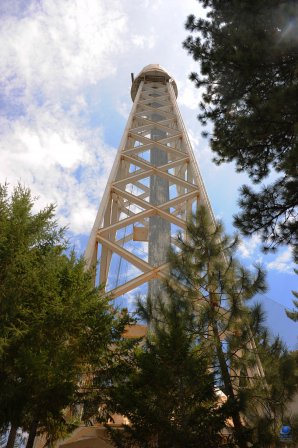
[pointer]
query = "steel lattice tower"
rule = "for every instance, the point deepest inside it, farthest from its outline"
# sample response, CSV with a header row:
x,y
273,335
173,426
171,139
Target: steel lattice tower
x,y
154,185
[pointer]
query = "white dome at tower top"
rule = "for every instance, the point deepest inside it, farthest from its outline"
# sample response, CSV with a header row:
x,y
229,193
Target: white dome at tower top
x,y
154,72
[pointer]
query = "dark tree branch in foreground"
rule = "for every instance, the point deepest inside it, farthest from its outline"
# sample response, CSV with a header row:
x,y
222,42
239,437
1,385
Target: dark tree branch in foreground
x,y
248,55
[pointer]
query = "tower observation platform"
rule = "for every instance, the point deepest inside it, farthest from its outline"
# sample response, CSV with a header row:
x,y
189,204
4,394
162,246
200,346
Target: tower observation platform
x,y
152,73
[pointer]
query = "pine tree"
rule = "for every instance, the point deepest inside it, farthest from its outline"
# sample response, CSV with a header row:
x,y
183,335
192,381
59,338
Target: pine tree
x,y
54,324
248,54
218,287
203,314
167,392
294,313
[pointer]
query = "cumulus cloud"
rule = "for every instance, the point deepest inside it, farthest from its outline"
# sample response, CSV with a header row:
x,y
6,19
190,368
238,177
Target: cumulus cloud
x,y
283,262
249,246
144,41
189,96
124,109
59,46
50,52
250,249
60,160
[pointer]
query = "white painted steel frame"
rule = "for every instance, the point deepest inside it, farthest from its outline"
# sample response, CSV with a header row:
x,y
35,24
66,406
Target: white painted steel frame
x,y
117,201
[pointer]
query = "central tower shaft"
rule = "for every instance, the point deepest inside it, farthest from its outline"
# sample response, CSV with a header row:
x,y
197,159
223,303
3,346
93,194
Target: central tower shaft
x,y
159,229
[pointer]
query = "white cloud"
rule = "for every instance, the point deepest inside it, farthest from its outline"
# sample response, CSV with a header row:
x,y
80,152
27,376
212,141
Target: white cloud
x,y
61,45
144,41
189,96
44,151
283,262
49,54
249,246
194,138
124,109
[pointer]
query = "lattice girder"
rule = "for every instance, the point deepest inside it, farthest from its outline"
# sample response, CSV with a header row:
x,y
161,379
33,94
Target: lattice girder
x,y
154,153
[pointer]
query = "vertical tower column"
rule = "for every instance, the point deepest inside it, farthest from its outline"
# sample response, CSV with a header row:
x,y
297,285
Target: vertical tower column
x,y
159,229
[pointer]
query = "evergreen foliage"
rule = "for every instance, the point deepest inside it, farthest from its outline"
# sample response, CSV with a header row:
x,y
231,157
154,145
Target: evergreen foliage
x,y
281,370
248,54
294,313
54,325
258,377
218,286
202,339
167,392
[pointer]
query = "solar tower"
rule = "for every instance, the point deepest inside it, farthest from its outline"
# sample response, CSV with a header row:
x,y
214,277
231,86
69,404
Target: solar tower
x,y
153,187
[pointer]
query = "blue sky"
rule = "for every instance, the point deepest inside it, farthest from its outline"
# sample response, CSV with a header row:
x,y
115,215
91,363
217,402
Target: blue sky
x,y
65,98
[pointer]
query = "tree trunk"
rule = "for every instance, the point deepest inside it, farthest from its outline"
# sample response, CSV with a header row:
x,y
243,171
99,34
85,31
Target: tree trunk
x,y
238,426
12,436
32,434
